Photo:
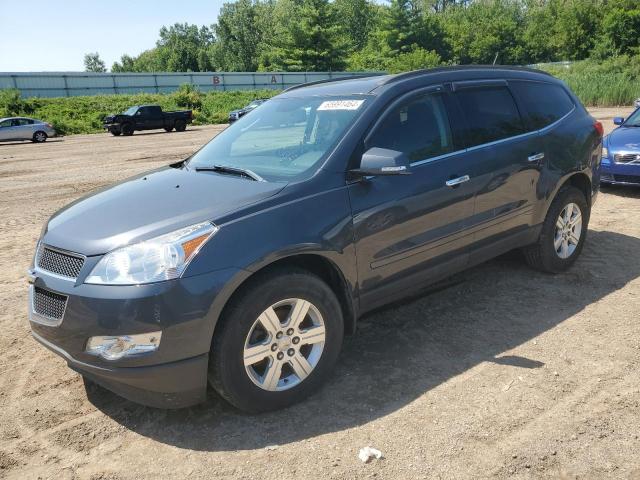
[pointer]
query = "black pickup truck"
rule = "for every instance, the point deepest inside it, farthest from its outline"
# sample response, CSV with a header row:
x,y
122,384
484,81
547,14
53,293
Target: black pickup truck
x,y
146,117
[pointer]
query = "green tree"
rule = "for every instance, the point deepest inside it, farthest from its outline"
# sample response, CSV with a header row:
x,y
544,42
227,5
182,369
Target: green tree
x,y
576,28
239,35
184,48
308,41
484,32
621,27
93,63
356,17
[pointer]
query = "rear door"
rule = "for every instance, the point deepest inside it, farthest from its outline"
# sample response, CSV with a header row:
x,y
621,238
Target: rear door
x,y
27,127
505,159
155,117
412,228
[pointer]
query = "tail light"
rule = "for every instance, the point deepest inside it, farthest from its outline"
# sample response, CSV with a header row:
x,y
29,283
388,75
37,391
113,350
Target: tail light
x,y
49,125
599,128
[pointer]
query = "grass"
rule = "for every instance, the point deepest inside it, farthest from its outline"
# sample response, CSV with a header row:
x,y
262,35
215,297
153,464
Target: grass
x,y
609,83
72,115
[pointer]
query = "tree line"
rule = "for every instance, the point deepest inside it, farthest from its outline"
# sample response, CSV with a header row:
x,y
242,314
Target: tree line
x,y
323,35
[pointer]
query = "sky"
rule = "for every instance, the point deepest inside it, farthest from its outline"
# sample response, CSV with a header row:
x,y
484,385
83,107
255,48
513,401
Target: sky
x,y
40,35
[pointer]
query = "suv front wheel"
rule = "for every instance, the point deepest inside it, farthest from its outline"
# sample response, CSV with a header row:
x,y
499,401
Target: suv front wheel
x,y
279,341
563,233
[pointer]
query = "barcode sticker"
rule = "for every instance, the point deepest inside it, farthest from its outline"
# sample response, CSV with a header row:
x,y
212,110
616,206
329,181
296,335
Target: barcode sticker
x,y
340,105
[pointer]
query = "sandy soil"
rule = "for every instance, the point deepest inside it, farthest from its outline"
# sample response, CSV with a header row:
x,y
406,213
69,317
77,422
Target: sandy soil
x,y
505,373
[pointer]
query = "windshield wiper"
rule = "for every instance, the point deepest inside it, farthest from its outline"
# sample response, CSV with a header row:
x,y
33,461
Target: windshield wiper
x,y
232,170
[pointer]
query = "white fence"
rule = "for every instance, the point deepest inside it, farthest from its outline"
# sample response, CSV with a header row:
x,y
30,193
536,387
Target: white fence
x,y
68,84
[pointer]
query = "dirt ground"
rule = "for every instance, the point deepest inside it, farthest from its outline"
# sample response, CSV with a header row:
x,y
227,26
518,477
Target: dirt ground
x,y
506,373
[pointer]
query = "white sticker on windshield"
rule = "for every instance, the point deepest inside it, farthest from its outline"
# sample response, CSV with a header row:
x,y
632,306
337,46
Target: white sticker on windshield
x,y
340,105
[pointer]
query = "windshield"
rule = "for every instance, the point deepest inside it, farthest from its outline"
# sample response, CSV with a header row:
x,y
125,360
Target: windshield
x,y
284,138
633,120
130,111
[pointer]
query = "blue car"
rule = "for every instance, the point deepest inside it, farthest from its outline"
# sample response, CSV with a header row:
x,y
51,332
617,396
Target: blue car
x,y
621,152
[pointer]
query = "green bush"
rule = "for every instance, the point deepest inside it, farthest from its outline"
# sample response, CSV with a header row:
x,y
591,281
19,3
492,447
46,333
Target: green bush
x,y
72,115
10,103
188,96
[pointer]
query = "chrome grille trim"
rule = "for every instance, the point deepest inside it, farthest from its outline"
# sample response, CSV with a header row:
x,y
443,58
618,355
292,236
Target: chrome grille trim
x,y
59,262
627,157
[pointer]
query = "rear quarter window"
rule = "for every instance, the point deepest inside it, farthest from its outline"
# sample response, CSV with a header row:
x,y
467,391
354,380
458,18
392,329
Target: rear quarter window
x,y
491,114
544,103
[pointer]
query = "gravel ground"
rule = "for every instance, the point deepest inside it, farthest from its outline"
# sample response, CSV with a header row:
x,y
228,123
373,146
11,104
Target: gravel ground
x,y
505,373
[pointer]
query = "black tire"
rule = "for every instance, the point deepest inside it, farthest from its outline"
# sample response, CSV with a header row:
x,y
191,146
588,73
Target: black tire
x,y
127,129
115,132
542,255
39,137
180,125
168,129
227,373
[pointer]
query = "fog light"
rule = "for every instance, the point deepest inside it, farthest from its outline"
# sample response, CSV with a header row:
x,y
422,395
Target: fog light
x,y
117,347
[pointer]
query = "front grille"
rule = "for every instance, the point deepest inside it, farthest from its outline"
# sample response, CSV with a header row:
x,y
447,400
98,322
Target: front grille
x,y
55,261
627,178
627,157
49,304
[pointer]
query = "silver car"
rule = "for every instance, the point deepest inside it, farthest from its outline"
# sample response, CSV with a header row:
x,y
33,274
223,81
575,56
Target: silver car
x,y
22,128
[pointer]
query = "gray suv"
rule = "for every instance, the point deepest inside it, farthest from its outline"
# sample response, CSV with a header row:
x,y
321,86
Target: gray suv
x,y
244,265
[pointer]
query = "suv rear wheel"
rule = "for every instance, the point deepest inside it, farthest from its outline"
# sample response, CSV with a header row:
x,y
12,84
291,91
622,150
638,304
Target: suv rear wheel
x,y
278,342
563,233
180,125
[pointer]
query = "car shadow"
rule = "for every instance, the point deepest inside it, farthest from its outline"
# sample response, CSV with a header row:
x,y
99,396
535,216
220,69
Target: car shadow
x,y
29,142
402,352
145,133
628,191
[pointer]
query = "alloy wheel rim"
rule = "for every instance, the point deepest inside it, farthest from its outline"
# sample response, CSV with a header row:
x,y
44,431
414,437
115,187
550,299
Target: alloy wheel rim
x,y
284,344
39,136
568,231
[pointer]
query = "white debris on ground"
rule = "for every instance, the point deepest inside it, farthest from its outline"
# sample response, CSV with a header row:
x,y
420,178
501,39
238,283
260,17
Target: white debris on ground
x,y
367,453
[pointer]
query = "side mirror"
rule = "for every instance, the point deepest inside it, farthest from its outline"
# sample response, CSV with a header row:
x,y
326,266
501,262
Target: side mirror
x,y
618,120
381,161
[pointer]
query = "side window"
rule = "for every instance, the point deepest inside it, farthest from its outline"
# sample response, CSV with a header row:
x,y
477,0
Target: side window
x,y
419,128
25,121
5,123
491,114
544,102
141,111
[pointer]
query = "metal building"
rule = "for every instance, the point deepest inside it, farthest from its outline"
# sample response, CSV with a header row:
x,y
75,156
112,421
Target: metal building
x,y
68,84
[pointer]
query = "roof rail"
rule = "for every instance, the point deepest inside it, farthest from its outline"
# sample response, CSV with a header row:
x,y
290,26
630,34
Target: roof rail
x,y
417,73
335,79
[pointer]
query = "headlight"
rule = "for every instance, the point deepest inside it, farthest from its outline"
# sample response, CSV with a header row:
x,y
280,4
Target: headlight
x,y
605,152
155,260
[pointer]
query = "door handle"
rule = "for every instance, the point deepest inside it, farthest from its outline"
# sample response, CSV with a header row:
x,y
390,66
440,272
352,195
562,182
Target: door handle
x,y
535,157
457,181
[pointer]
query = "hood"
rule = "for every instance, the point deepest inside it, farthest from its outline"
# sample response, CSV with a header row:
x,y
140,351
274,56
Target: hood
x,y
149,205
625,139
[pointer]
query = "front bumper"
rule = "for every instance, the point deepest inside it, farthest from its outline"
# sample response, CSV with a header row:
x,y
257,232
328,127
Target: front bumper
x,y
619,173
173,376
170,385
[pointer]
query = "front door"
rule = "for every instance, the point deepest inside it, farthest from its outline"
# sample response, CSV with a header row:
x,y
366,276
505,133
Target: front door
x,y
411,229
